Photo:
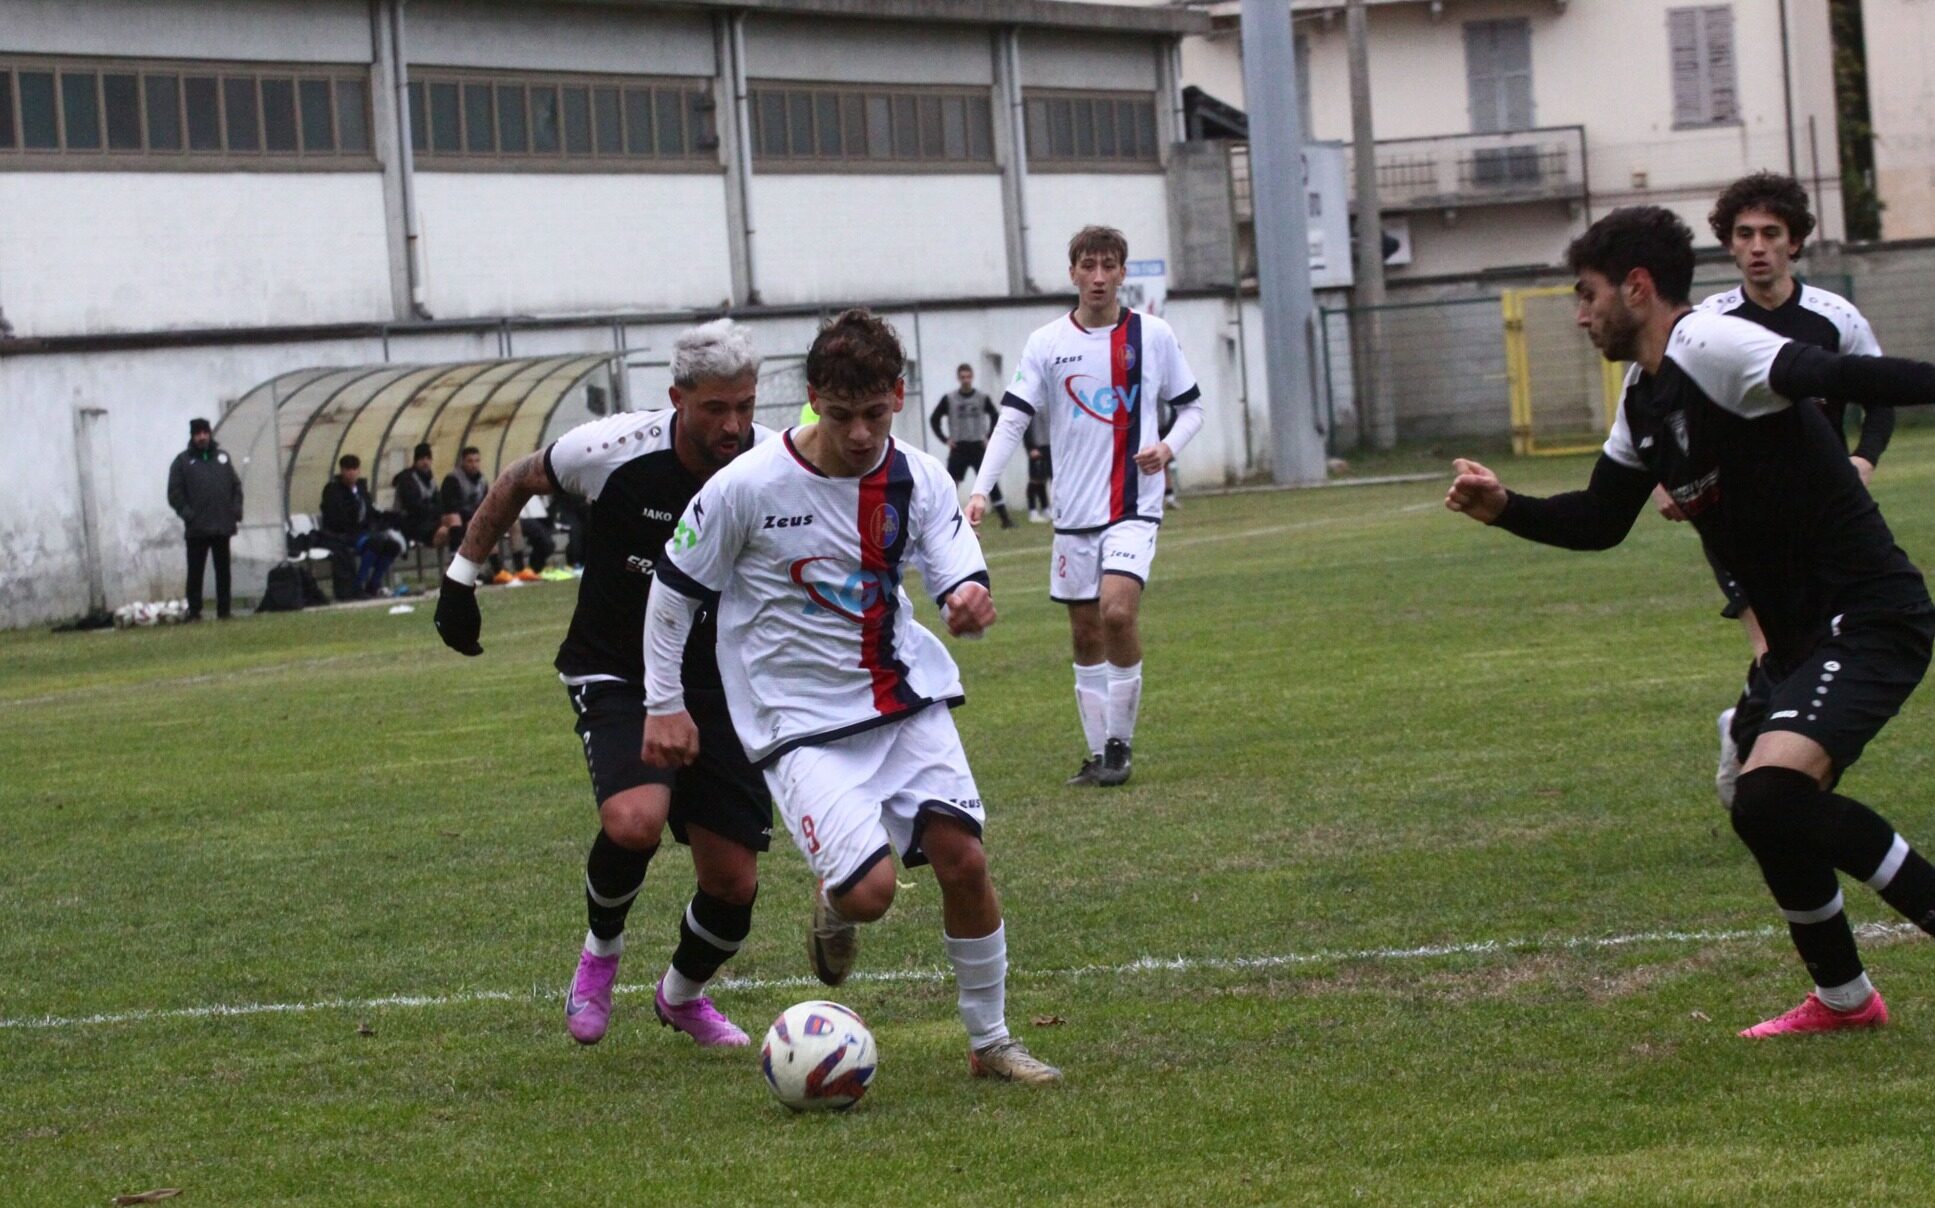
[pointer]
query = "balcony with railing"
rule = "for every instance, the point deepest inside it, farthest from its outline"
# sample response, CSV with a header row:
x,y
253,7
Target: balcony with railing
x,y
1456,171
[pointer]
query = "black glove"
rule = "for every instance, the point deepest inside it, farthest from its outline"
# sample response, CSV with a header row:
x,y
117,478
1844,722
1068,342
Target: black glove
x,y
458,621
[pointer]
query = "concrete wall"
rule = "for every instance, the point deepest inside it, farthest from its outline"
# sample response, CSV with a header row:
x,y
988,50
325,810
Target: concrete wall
x,y
867,52
1901,102
318,31
541,243
95,252
1063,59
853,235
449,33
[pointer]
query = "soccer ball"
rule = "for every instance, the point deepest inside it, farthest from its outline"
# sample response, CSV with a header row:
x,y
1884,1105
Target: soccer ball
x,y
818,1055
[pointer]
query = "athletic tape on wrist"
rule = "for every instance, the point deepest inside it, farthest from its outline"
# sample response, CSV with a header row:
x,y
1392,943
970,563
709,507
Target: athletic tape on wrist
x,y
463,570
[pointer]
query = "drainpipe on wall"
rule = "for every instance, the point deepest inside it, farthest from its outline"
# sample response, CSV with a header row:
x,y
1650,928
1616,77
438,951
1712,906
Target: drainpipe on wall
x,y
1011,137
735,148
406,156
1787,90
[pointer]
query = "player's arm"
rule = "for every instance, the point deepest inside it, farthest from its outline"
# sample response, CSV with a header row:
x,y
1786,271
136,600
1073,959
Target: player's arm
x,y
458,621
697,563
934,420
1801,371
1002,443
1877,423
951,563
1599,517
1186,405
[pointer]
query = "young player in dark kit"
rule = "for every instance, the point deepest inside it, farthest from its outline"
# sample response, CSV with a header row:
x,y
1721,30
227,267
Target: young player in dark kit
x,y
636,472
1763,221
1716,410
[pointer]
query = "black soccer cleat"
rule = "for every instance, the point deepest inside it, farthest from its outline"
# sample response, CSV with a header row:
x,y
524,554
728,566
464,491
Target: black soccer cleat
x,y
1115,764
1085,778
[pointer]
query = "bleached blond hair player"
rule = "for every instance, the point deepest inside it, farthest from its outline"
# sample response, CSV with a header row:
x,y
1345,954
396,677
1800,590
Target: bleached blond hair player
x,y
1102,374
838,693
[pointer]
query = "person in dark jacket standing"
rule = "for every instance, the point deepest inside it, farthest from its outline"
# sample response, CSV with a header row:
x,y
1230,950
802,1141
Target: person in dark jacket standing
x,y
969,416
205,491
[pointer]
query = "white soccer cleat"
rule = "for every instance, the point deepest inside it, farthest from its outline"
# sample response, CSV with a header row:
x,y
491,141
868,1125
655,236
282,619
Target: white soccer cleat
x,y
1728,770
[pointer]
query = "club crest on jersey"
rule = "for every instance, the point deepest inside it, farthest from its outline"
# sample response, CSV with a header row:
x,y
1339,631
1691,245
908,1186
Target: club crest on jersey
x,y
850,597
1097,399
1676,420
1125,357
884,525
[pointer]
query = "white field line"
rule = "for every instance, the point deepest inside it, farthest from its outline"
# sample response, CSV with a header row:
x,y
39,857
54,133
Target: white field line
x,y
1137,967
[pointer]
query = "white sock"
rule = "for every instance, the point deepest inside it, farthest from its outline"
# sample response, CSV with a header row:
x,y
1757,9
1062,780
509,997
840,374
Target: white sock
x,y
610,947
1125,700
678,988
1092,702
981,982
1851,996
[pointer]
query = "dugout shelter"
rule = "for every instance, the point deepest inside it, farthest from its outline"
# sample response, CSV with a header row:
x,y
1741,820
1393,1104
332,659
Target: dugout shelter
x,y
286,435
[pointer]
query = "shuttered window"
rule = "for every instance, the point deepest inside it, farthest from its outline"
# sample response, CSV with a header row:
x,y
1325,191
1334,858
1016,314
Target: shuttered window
x,y
504,121
1706,85
1498,74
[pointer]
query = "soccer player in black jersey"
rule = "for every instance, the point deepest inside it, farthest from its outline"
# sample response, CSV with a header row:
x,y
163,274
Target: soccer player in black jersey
x,y
1717,411
1763,221
636,472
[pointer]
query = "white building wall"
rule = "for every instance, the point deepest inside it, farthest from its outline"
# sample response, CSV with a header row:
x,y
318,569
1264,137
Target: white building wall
x,y
316,31
825,238
867,52
1899,36
449,33
86,253
1054,58
1059,204
544,243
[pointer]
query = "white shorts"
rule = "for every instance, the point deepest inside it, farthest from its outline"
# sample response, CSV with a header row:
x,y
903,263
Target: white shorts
x,y
848,802
1079,560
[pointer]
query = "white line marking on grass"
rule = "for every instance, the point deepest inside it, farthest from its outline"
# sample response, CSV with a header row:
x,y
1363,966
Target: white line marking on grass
x,y
1140,965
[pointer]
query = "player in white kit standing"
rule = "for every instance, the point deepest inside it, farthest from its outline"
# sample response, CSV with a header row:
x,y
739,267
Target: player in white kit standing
x,y
837,693
1102,373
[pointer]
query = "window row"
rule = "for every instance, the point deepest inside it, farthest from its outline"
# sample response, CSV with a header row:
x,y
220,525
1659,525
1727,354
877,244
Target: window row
x,y
223,113
828,125
1091,128
533,120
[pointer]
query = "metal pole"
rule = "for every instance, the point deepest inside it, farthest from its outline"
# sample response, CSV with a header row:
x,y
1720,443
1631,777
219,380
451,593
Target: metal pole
x,y
1787,88
1379,417
406,155
1278,192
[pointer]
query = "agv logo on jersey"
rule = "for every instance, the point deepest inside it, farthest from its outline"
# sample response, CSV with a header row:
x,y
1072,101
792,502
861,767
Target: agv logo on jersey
x,y
848,595
1098,399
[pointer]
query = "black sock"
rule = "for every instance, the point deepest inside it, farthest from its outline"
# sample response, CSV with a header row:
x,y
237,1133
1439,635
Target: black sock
x,y
613,877
1866,846
711,931
1780,814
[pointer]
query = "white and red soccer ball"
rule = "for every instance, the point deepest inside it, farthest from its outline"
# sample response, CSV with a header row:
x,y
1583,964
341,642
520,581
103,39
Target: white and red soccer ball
x,y
818,1055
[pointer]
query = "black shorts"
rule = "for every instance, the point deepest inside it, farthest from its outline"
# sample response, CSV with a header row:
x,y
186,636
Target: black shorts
x,y
720,791
1845,690
1729,587
965,458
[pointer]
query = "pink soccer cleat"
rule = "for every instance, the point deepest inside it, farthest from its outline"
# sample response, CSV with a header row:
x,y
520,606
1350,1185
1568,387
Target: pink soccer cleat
x,y
587,1007
1813,1015
700,1020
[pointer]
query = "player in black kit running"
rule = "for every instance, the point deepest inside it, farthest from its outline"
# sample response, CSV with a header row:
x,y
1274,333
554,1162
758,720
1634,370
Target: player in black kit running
x,y
636,472
1716,410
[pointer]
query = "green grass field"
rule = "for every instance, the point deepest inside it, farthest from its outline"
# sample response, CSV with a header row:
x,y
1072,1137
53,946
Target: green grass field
x,y
1420,895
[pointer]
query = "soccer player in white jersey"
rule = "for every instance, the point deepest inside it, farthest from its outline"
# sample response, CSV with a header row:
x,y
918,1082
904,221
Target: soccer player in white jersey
x,y
635,473
837,692
1103,374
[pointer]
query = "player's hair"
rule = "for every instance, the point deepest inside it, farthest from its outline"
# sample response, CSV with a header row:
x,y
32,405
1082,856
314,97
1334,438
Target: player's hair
x,y
1099,240
857,355
349,461
1781,196
719,351
1647,237
964,365
467,450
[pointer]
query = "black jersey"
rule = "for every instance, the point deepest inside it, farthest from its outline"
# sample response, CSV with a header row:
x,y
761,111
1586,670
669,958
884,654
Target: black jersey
x,y
1767,483
635,489
1826,320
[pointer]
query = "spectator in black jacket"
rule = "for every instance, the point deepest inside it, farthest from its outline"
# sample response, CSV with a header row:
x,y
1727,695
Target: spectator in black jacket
x,y
463,493
206,493
352,526
420,504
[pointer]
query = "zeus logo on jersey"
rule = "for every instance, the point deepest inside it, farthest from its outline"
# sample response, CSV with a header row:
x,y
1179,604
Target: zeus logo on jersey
x,y
1099,400
787,521
849,597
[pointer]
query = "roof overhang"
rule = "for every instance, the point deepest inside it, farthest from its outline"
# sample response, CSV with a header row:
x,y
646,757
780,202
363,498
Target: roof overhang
x,y
1160,21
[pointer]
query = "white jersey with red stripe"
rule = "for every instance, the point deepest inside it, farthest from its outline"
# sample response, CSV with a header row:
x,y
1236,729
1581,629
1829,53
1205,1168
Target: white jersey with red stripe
x,y
817,638
1103,391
